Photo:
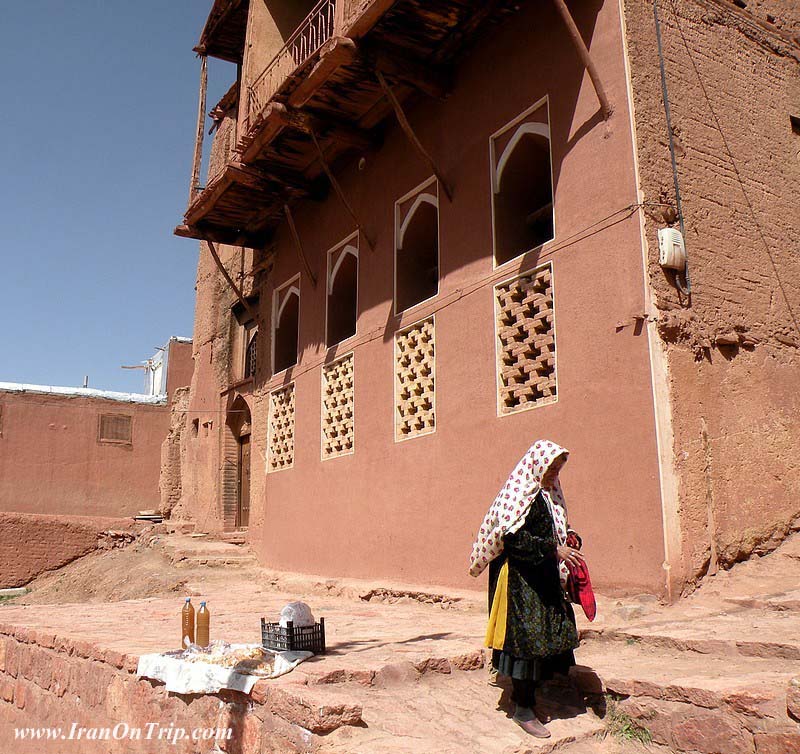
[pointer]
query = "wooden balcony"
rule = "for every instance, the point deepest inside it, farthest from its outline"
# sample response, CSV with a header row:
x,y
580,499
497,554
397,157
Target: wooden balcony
x,y
324,95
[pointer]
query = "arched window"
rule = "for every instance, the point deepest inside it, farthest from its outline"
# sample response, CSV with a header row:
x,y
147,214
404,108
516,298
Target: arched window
x,y
417,246
522,185
342,310
286,321
250,350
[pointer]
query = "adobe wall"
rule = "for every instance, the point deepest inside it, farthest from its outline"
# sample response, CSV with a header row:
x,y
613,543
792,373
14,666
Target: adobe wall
x,y
31,544
51,460
179,366
733,360
171,456
409,510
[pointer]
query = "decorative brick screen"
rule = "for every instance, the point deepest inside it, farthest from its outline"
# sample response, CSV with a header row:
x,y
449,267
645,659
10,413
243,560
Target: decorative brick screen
x,y
115,428
415,408
281,429
337,408
526,344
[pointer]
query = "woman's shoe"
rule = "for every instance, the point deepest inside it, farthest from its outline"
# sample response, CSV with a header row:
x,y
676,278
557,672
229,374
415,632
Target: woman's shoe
x,y
533,727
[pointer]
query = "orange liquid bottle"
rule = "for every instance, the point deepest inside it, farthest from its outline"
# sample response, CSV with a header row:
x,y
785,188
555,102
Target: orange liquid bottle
x,y
203,626
187,623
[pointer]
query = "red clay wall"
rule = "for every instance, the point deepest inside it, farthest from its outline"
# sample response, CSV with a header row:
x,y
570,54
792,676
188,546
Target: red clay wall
x,y
733,82
31,544
409,510
180,366
52,462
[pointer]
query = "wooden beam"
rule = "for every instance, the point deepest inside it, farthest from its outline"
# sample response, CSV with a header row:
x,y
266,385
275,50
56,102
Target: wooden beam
x,y
204,201
268,126
586,58
335,53
409,132
340,192
228,236
460,35
242,300
434,81
298,244
265,180
198,142
370,16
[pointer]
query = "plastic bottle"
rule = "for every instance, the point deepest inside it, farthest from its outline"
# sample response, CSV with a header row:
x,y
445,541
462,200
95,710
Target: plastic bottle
x,y
203,626
187,624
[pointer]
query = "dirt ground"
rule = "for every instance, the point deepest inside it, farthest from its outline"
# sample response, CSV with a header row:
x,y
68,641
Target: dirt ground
x,y
129,573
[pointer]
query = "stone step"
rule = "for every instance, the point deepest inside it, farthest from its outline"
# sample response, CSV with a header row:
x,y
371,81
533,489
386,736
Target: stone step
x,y
693,704
201,560
456,713
739,631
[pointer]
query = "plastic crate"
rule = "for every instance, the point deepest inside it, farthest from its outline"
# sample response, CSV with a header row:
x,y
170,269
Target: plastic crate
x,y
293,638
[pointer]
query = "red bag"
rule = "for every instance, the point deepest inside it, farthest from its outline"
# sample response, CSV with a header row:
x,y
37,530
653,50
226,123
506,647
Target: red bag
x,y
579,585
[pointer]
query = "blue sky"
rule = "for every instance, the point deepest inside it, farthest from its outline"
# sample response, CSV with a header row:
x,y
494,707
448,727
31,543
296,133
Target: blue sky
x,y
96,146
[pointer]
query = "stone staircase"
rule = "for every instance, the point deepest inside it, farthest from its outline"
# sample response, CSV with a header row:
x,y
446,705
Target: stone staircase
x,y
193,551
717,673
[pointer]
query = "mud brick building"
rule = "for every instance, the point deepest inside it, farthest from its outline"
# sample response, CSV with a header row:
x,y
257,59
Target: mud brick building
x,y
84,452
430,235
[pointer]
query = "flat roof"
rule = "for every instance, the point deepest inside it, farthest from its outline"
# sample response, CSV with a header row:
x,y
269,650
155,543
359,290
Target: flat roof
x,y
83,392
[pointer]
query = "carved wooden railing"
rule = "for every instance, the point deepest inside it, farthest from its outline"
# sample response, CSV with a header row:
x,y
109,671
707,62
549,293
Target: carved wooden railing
x,y
312,33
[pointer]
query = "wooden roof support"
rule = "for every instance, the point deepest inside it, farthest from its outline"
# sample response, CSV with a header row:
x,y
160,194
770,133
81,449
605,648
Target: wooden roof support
x,y
298,244
434,81
335,53
194,182
338,189
409,132
583,51
235,288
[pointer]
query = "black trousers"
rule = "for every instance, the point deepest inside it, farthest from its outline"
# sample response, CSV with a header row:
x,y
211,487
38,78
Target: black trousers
x,y
523,692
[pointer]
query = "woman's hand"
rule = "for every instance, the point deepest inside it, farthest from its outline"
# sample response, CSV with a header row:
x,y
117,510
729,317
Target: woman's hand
x,y
569,555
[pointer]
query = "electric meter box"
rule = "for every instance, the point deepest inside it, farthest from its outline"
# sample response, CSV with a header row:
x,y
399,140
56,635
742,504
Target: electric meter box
x,y
671,249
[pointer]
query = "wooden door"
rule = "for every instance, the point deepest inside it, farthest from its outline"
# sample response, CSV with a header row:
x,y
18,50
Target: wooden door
x,y
243,502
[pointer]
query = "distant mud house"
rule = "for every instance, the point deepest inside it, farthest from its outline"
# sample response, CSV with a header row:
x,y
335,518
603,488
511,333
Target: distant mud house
x,y
430,235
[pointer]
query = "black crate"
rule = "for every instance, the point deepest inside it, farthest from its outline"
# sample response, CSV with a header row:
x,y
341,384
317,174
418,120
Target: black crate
x,y
293,638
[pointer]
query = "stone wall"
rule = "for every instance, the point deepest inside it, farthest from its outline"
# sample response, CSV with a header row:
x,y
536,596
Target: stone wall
x,y
32,544
732,352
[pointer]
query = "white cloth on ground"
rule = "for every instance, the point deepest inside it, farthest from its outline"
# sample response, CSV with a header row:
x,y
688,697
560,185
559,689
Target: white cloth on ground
x,y
198,677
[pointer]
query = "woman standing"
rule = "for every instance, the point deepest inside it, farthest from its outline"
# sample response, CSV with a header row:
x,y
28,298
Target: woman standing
x,y
522,540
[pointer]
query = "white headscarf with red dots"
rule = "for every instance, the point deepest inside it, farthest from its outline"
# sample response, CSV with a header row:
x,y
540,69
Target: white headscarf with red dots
x,y
511,506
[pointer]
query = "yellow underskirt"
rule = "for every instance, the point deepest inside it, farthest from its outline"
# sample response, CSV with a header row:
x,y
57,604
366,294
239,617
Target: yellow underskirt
x,y
496,630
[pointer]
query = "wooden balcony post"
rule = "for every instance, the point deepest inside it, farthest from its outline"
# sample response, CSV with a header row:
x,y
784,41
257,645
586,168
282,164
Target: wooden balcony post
x,y
338,188
201,117
409,132
229,280
586,58
298,244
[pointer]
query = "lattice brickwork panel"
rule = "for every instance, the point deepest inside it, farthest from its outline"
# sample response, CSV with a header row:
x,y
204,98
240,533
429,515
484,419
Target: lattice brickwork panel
x,y
415,411
337,408
281,429
526,341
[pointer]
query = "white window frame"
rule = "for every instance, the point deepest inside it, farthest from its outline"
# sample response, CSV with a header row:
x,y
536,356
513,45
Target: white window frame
x,y
277,309
494,164
399,232
347,247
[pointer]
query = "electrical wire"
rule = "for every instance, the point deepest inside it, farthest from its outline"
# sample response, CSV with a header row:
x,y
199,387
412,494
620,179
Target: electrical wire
x,y
685,288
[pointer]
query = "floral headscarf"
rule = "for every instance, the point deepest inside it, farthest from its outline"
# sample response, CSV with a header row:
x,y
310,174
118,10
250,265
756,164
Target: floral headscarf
x,y
511,506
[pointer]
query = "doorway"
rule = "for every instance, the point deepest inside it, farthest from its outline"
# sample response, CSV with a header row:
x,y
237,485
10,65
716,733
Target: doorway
x,y
243,483
237,455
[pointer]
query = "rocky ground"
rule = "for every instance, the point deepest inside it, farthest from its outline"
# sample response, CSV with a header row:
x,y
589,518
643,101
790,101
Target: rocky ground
x,y
405,673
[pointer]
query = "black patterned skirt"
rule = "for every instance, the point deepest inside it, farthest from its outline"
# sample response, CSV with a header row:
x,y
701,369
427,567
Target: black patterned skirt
x,y
536,669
